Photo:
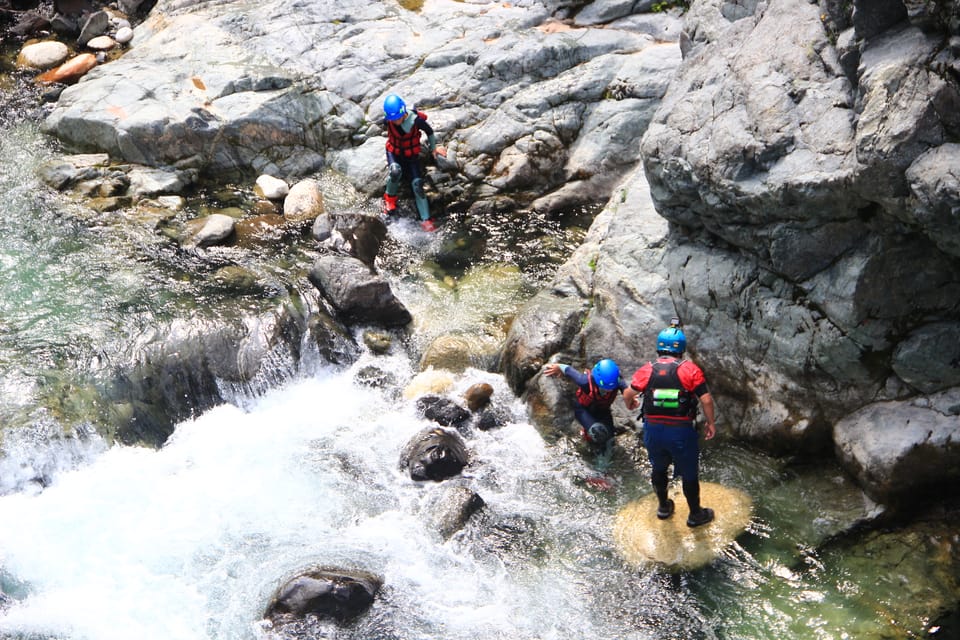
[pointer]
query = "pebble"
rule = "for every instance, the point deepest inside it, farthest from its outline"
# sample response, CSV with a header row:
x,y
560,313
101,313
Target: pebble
x,y
102,43
124,35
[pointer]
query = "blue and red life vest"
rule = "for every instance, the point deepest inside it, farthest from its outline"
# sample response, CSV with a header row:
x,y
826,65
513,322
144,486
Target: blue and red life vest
x,y
405,143
664,398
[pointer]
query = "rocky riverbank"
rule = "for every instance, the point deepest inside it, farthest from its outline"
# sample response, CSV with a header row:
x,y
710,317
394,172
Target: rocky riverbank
x,y
792,195
808,248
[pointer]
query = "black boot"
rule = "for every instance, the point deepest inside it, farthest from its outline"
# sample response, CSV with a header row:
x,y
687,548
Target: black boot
x,y
697,518
665,510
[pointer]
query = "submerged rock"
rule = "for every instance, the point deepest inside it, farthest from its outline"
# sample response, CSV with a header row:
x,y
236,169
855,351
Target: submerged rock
x,y
644,539
912,573
452,509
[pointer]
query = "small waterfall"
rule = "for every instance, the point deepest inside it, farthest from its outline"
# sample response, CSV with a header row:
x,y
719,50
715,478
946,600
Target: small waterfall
x,y
190,541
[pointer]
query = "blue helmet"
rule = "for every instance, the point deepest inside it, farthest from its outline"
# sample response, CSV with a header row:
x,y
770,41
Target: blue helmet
x,y
394,107
606,374
671,340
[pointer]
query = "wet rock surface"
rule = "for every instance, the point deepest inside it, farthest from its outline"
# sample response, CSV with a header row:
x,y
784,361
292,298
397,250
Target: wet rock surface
x,y
339,594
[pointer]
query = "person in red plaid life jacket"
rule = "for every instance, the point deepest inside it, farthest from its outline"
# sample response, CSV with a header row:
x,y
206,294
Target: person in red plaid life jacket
x,y
404,130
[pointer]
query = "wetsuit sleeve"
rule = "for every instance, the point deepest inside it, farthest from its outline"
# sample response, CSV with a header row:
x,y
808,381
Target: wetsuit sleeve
x,y
692,378
641,377
577,376
424,126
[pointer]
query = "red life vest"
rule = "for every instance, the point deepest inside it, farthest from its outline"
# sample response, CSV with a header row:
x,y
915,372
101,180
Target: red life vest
x,y
594,397
405,144
664,398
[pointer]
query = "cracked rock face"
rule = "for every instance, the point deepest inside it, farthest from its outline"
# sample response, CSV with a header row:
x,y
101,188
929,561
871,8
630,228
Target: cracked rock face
x,y
812,247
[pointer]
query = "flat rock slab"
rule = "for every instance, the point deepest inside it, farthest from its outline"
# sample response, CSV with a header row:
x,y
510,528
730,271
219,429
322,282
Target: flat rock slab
x,y
642,539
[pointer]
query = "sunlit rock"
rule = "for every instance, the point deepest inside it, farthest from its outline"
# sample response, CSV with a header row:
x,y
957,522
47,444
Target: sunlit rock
x,y
209,230
901,450
148,182
357,293
95,24
643,539
42,55
428,381
450,352
102,43
304,202
450,511
271,188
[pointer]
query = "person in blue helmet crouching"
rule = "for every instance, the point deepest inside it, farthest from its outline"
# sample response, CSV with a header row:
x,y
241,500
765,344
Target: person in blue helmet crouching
x,y
671,388
596,391
404,131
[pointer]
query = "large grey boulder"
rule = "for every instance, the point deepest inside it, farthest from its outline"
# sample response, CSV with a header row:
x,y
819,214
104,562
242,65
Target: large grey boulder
x,y
833,203
357,293
901,452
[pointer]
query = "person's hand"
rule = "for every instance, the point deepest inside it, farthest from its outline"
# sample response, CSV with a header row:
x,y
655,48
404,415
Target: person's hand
x,y
631,398
710,430
552,370
440,151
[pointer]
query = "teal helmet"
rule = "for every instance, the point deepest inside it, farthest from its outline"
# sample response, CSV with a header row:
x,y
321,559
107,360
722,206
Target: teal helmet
x,y
671,340
394,107
606,374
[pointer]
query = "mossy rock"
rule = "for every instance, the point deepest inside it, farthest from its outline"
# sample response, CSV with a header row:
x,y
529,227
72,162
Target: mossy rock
x,y
643,539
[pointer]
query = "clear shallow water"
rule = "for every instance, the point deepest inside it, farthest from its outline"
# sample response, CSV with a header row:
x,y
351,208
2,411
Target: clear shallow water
x,y
190,541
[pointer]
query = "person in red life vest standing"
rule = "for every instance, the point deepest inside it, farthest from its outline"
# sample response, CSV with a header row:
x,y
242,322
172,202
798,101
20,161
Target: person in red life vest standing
x,y
596,391
404,129
671,387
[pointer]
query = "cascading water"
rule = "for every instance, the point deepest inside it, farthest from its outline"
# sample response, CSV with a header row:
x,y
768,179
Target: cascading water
x,y
190,541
